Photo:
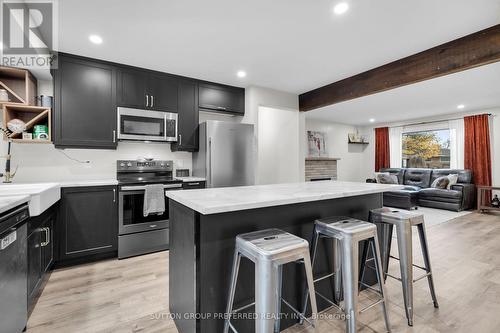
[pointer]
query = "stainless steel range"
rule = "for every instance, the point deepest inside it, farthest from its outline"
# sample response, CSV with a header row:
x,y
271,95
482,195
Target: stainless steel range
x,y
139,234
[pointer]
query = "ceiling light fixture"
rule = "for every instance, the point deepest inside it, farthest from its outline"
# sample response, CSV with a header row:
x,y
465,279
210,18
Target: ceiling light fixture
x,y
95,39
241,74
341,8
371,120
460,106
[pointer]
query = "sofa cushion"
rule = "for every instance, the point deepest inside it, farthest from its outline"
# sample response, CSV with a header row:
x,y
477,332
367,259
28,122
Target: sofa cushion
x,y
464,176
437,193
417,177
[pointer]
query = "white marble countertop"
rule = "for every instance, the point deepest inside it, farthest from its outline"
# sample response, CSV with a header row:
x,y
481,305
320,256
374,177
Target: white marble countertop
x,y
10,202
227,199
191,179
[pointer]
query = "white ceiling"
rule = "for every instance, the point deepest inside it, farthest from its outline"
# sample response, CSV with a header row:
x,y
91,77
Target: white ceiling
x,y
477,89
289,45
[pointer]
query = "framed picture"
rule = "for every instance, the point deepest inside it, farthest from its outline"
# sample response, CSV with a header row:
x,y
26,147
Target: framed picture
x,y
316,143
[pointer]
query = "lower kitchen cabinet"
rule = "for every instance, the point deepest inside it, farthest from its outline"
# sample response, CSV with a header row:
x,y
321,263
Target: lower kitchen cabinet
x,y
88,222
40,252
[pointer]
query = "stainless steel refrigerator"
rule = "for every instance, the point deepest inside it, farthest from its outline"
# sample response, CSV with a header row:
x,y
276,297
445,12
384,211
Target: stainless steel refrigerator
x,y
226,154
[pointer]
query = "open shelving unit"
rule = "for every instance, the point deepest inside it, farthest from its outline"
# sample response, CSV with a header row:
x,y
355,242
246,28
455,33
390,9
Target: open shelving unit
x,y
20,84
31,115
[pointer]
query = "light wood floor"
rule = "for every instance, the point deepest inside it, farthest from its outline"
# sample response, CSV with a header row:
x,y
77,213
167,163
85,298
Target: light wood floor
x,y
132,295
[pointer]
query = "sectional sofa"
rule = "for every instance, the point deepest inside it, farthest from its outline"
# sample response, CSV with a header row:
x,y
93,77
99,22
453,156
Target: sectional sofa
x,y
418,190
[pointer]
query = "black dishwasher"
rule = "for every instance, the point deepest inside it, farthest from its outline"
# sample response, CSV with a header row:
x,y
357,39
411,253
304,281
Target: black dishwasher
x,y
13,270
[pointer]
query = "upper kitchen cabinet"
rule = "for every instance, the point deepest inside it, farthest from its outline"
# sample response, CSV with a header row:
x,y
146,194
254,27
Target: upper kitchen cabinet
x,y
142,89
221,98
84,103
187,139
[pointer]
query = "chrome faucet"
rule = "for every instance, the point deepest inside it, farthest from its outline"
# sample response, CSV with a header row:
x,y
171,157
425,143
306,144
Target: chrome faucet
x,y
8,175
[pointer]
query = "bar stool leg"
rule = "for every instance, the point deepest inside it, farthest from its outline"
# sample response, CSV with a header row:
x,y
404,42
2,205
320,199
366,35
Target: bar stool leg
x,y
380,278
427,261
277,312
310,284
364,257
266,276
314,251
406,265
350,280
232,289
384,231
337,269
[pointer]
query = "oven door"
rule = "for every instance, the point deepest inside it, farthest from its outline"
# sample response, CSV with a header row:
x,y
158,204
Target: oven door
x,y
142,125
130,213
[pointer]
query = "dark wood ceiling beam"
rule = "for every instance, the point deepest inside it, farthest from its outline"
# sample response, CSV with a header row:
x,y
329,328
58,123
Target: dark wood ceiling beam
x,y
477,49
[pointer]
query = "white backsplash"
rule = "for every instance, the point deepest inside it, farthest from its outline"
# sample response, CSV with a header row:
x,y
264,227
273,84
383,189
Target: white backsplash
x,y
41,163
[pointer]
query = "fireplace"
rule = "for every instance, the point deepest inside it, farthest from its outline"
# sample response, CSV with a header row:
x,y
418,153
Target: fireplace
x,y
321,168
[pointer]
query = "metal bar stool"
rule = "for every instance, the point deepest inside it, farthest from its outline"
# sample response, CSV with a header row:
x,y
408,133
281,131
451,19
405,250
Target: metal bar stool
x,y
347,233
269,249
386,219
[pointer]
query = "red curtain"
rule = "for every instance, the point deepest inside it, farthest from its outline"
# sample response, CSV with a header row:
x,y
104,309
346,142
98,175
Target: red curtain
x,y
382,158
477,154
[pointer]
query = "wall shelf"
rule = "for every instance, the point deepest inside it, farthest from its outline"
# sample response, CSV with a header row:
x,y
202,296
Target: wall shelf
x,y
358,143
31,115
20,84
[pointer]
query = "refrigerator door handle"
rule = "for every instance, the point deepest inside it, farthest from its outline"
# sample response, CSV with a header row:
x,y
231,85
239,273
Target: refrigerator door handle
x,y
209,166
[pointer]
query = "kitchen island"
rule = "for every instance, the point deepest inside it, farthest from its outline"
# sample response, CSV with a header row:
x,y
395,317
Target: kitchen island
x,y
203,227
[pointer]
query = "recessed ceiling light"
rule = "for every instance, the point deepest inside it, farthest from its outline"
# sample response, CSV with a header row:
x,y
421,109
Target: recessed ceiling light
x,y
341,8
460,106
95,39
371,120
241,74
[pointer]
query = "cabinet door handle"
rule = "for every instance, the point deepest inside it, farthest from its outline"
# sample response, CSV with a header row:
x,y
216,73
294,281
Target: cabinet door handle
x,y
47,237
193,184
152,100
147,100
114,195
114,136
180,139
221,108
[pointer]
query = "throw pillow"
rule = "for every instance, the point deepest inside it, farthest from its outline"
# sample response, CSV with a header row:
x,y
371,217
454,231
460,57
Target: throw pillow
x,y
441,182
378,174
388,179
453,180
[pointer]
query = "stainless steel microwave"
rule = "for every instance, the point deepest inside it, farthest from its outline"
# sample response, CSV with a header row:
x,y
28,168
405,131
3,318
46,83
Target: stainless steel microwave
x,y
145,125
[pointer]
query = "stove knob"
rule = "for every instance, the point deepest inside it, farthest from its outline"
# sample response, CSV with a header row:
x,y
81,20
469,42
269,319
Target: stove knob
x,y
129,164
162,165
122,164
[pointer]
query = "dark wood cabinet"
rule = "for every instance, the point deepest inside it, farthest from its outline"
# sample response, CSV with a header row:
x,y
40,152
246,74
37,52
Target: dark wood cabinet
x,y
34,263
84,103
132,88
221,98
163,92
193,185
188,117
88,221
40,252
141,89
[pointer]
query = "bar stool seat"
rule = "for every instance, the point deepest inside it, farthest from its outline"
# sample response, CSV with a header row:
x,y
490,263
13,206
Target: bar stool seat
x,y
386,219
347,233
269,249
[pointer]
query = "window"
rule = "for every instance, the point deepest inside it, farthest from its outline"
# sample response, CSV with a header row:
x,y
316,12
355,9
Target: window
x,y
426,149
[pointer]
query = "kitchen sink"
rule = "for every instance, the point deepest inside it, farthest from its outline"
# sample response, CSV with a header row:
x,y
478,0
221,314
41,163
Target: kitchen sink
x,y
42,195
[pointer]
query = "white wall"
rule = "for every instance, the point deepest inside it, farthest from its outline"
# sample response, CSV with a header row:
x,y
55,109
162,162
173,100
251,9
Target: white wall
x,y
369,156
256,97
42,162
350,166
278,146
